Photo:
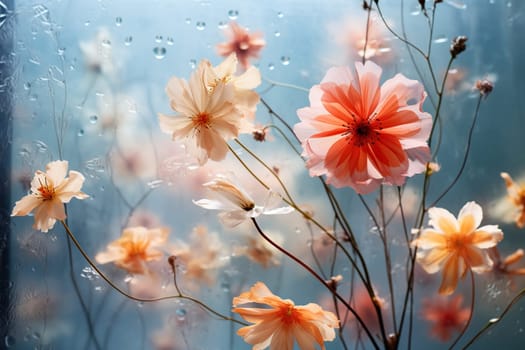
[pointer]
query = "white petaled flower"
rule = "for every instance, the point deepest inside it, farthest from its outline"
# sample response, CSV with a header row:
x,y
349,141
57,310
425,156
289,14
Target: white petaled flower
x,y
49,192
97,53
237,205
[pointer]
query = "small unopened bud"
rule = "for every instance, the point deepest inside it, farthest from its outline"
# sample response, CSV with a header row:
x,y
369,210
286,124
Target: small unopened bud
x,y
432,167
485,87
259,135
459,44
334,281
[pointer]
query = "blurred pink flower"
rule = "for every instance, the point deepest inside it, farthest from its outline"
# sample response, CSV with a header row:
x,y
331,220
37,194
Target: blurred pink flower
x,y
445,315
244,44
135,248
280,323
516,195
49,192
360,134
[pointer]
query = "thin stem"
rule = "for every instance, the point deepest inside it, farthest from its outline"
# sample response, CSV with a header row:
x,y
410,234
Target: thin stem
x,y
440,100
472,303
465,158
142,300
367,31
285,85
83,305
319,278
495,320
281,119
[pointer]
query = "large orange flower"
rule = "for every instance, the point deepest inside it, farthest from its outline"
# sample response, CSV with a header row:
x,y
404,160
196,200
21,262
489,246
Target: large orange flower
x,y
135,248
49,191
360,134
456,245
282,322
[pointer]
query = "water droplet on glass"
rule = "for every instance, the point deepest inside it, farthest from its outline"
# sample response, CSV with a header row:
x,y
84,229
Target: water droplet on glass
x,y
158,38
233,14
128,40
181,314
225,285
3,13
118,21
36,336
61,51
285,60
200,25
80,132
87,23
93,119
27,86
277,33
106,43
9,341
169,40
159,52
187,20
155,183
441,39
457,4
40,146
193,63
280,14
271,66
494,320
222,25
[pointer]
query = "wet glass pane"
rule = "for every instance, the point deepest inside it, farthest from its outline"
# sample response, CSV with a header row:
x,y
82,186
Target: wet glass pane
x,y
209,174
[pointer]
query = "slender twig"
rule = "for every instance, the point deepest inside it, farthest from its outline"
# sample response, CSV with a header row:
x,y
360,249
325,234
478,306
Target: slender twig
x,y
142,300
465,157
319,278
367,31
285,85
495,320
472,303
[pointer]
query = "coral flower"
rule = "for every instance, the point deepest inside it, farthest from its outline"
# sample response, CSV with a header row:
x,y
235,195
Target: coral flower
x,y
456,245
244,44
135,248
282,322
359,134
516,195
446,316
49,191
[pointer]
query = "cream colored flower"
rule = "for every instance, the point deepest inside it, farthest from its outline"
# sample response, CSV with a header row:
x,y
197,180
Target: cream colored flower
x,y
49,192
237,205
281,323
137,246
97,53
208,116
456,245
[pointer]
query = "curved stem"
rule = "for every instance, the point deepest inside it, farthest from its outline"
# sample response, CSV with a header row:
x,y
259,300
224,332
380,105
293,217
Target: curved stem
x,y
142,300
285,85
495,320
318,277
472,303
465,158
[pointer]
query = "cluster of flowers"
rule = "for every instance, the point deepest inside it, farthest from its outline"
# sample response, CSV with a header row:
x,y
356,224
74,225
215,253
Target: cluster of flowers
x,y
356,133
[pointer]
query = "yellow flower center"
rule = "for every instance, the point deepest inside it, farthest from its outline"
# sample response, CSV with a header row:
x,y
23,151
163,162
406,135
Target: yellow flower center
x,y
289,315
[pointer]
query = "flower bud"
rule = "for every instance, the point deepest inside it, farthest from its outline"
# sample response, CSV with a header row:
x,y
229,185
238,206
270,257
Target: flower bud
x,y
459,44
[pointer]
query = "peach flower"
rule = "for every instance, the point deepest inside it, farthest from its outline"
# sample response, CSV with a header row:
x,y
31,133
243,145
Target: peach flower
x,y
205,120
446,316
236,205
49,191
456,245
137,246
282,323
244,44
516,194
360,134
